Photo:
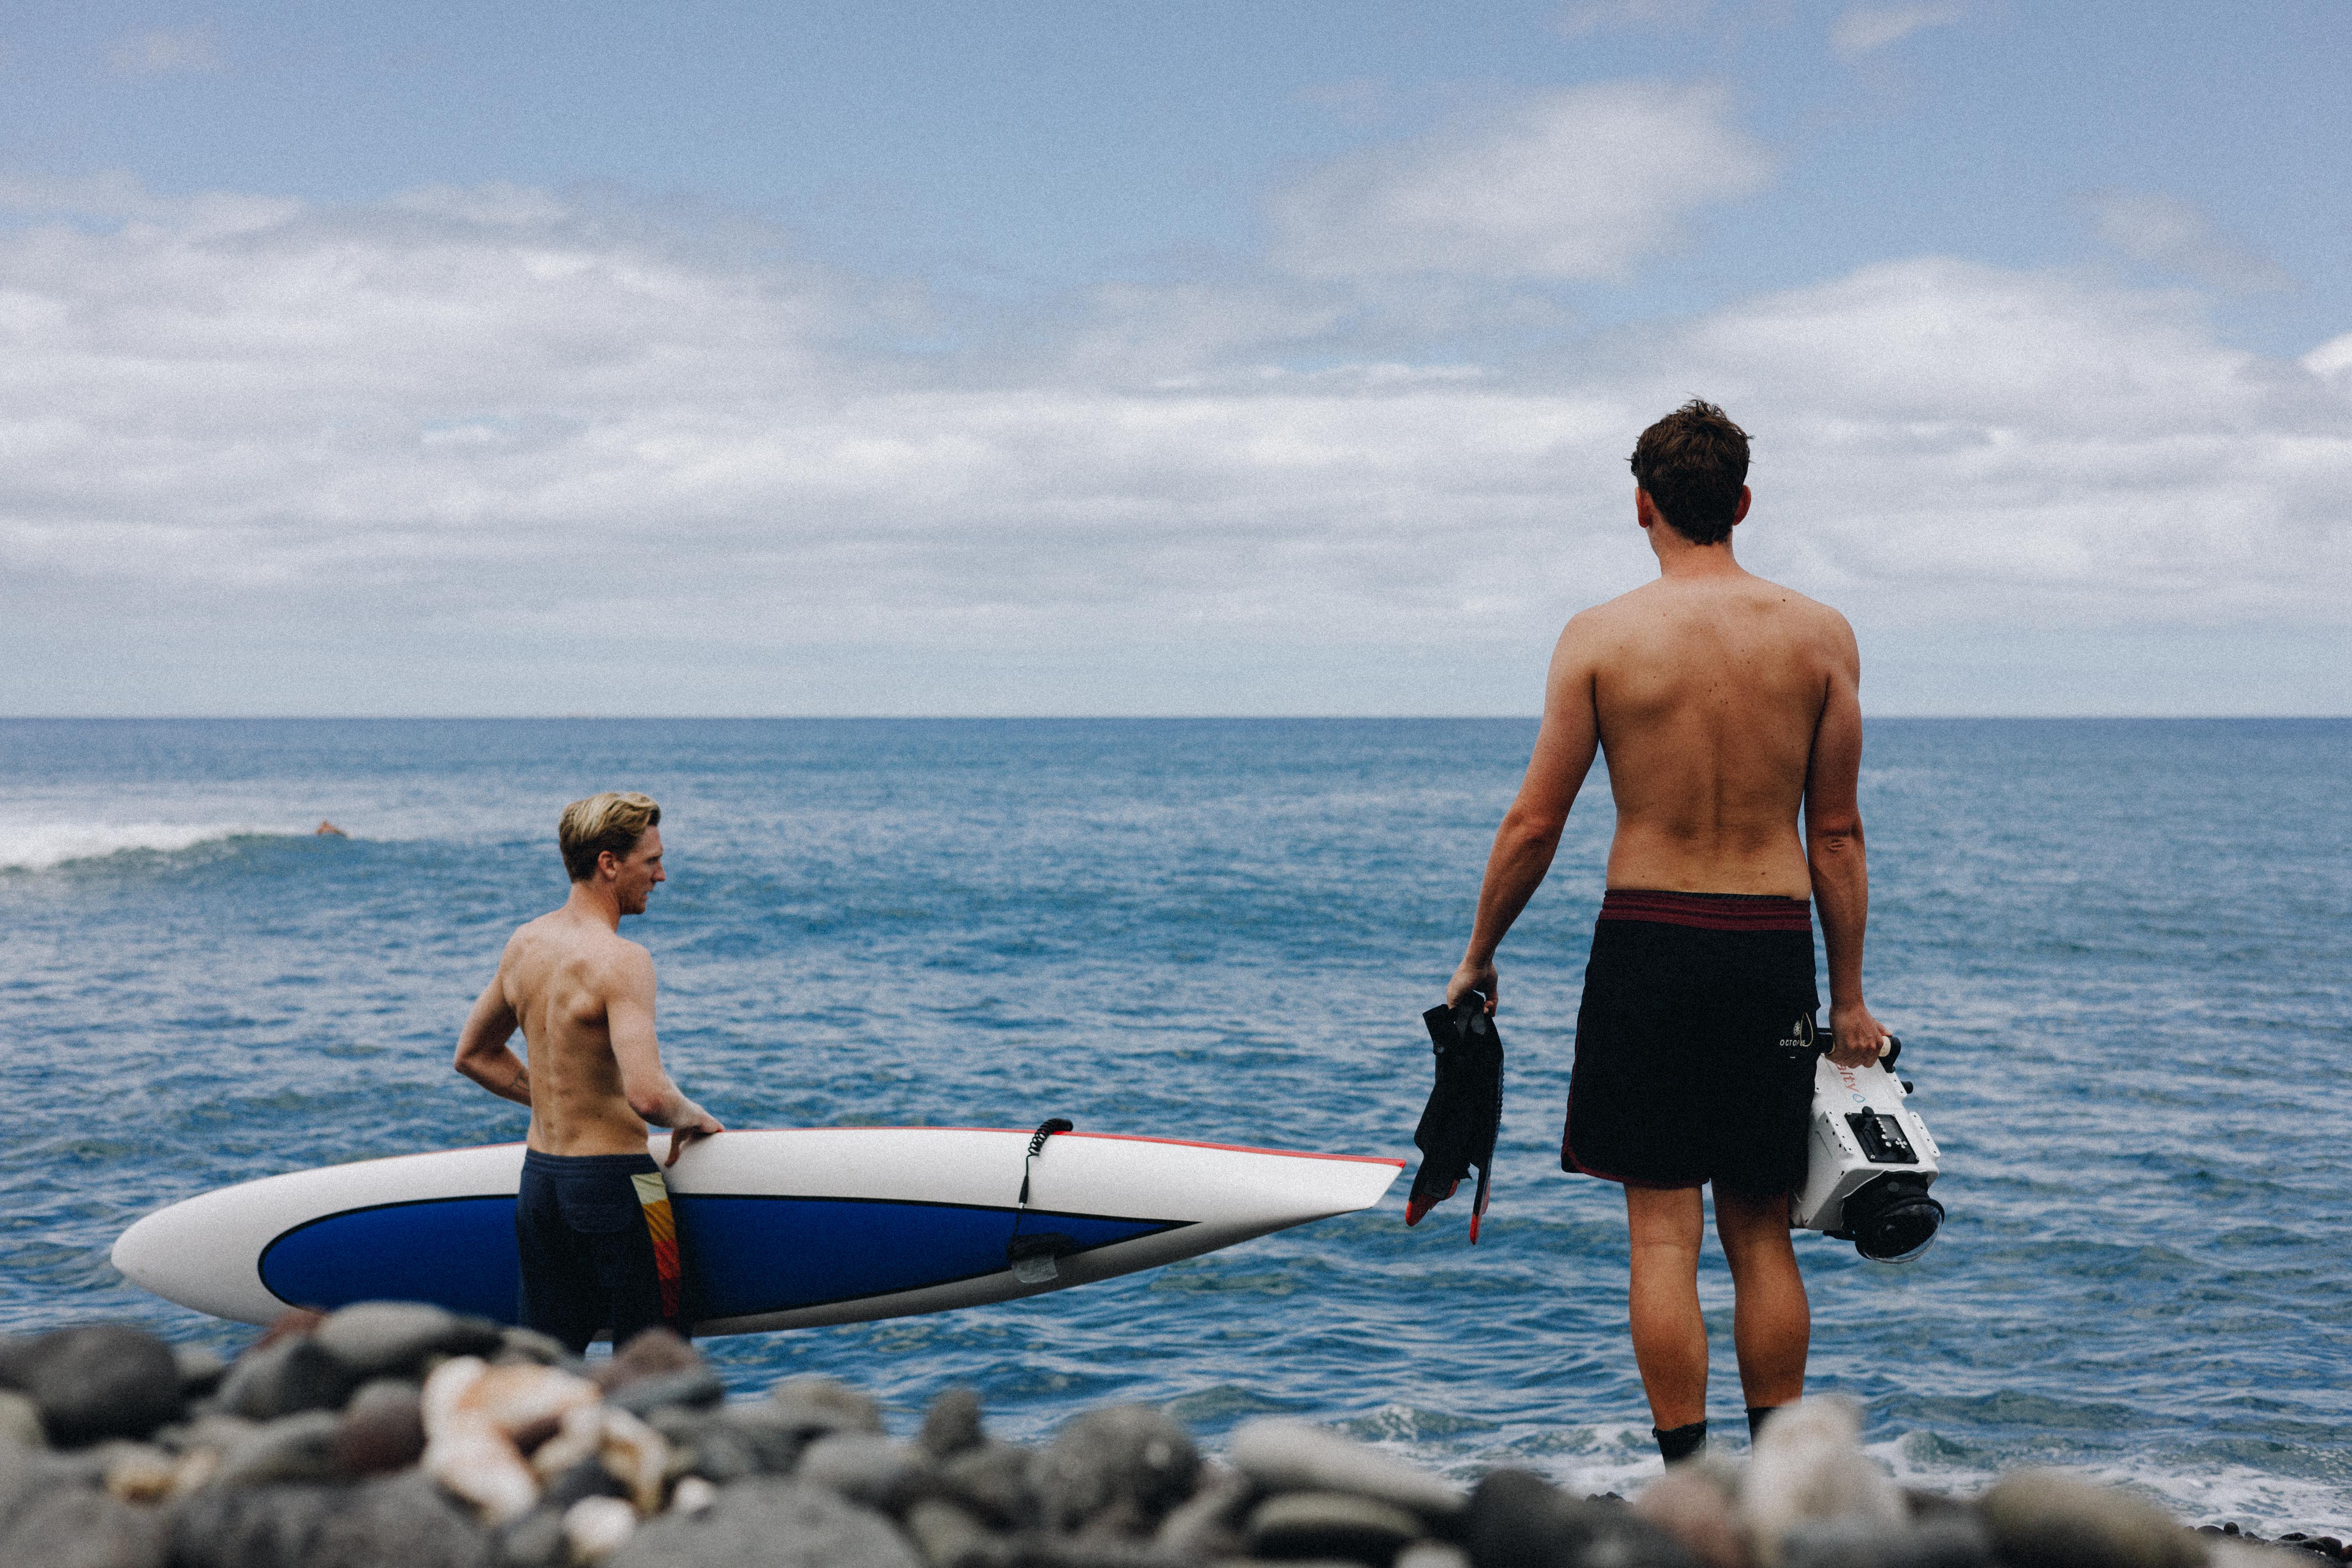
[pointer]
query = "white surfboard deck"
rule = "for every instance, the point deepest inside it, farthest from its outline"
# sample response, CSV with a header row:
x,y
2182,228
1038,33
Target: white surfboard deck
x,y
780,1230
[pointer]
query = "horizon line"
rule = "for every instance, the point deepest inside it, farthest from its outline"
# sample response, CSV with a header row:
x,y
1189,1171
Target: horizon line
x,y
1065,718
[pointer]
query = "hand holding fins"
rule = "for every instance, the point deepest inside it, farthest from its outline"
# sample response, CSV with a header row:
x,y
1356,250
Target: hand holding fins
x,y
1466,1107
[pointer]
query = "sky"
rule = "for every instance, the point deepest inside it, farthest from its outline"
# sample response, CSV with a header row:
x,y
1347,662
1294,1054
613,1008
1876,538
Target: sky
x,y
1264,357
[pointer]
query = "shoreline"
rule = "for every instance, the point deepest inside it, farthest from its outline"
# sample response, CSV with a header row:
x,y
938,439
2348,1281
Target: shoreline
x,y
393,1433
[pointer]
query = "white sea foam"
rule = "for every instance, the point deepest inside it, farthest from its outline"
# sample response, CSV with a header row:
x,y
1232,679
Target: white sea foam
x,y
39,845
1623,1461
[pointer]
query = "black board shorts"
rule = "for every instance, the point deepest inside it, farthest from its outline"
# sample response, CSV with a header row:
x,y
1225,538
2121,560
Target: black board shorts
x,y
599,1245
1694,1043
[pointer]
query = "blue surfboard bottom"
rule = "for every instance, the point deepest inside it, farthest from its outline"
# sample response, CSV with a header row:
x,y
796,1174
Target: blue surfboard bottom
x,y
744,1255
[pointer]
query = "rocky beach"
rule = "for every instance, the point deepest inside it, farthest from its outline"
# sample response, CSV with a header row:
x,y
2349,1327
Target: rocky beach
x,y
399,1436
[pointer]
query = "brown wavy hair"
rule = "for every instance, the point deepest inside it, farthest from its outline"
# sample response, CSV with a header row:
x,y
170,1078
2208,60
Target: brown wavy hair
x,y
1693,463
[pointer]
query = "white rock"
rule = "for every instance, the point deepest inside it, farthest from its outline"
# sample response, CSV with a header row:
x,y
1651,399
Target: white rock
x,y
1809,1466
1283,1454
476,1462
597,1527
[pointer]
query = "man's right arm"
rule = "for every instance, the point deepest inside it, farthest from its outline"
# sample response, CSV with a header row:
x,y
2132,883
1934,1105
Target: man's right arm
x,y
482,1051
1834,851
1529,836
629,1019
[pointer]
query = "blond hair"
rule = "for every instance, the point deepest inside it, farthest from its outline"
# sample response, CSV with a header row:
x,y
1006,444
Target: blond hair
x,y
613,820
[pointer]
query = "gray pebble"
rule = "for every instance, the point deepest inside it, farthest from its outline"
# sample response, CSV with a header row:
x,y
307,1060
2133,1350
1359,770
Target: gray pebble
x,y
772,1524
250,1527
1516,1519
1208,1523
1284,1454
1848,1543
23,1473
72,1527
395,1339
399,1522
1127,1458
284,1378
534,1540
382,1429
993,1481
813,1405
20,1420
865,1469
105,1380
200,1370
2042,1518
290,1448
394,1521
747,1440
1331,1525
704,1443
952,1424
952,1537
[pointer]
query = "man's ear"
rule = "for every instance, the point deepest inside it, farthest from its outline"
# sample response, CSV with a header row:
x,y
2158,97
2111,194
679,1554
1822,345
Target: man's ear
x,y
608,864
1645,511
1746,495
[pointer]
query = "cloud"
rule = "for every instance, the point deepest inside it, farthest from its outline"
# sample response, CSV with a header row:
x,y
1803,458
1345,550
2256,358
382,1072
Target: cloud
x,y
406,455
1582,183
165,51
2331,358
1865,29
2167,232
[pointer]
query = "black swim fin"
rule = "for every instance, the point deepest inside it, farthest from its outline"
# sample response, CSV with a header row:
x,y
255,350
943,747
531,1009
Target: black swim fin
x,y
1466,1107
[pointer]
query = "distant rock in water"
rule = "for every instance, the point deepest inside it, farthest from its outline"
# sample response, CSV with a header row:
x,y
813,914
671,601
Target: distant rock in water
x,y
389,1436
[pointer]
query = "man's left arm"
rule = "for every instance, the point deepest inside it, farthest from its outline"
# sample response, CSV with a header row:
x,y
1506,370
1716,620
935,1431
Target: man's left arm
x,y
482,1052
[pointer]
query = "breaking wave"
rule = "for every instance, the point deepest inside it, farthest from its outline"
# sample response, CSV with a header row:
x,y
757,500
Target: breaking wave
x,y
39,846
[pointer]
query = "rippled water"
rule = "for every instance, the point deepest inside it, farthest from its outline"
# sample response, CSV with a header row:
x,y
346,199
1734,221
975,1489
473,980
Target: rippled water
x,y
2118,953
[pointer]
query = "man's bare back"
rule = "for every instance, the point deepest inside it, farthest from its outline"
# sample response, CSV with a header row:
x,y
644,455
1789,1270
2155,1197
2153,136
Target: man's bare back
x,y
1728,707
1708,689
583,995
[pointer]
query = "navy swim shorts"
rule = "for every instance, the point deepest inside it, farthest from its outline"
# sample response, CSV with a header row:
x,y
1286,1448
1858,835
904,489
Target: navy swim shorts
x,y
1694,1043
599,1247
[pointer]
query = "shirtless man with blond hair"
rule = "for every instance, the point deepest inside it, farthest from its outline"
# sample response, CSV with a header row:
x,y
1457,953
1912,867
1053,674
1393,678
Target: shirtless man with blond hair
x,y
1727,709
592,1219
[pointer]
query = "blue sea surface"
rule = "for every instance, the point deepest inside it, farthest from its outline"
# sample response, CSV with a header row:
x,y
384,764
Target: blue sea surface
x,y
2120,954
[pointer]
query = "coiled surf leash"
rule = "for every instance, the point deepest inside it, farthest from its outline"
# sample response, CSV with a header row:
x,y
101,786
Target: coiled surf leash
x,y
1032,1256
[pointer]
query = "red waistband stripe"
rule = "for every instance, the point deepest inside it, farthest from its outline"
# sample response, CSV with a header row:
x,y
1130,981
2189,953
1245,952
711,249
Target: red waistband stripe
x,y
1708,912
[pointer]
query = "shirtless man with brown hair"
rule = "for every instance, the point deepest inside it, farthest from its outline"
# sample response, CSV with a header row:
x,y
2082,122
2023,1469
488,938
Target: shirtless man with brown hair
x,y
592,1219
1727,709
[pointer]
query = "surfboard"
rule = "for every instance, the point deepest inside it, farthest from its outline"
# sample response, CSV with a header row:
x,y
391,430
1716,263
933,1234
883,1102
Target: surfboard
x,y
778,1229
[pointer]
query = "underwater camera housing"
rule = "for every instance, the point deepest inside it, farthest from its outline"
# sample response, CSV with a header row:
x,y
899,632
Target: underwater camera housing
x,y
1870,1162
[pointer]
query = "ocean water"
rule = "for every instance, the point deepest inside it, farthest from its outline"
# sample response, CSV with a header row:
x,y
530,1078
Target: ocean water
x,y
2120,954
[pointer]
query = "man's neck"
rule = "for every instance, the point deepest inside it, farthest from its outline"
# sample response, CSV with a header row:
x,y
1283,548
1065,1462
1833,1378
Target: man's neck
x,y
594,900
1679,559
